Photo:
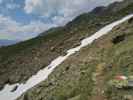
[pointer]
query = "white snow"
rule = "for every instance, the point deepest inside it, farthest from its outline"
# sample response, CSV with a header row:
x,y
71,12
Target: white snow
x,y
6,93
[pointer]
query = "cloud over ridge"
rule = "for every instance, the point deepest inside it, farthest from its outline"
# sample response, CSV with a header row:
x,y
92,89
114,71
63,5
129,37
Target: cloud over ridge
x,y
62,9
48,13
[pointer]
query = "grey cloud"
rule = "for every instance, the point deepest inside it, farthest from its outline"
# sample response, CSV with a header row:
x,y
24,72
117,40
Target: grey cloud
x,y
18,31
65,10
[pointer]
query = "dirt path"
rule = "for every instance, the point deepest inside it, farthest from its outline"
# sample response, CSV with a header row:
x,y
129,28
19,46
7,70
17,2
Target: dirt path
x,y
98,78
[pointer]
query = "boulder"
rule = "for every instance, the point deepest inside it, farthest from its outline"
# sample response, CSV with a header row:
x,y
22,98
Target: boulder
x,y
119,39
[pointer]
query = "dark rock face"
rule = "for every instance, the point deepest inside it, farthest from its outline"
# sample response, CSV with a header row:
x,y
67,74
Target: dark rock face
x,y
130,20
98,10
1,87
118,39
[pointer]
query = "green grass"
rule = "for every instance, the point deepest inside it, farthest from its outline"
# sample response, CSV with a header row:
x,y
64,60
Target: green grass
x,y
78,82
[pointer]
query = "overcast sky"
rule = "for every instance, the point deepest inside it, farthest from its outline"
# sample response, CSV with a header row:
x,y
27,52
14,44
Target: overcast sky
x,y
23,19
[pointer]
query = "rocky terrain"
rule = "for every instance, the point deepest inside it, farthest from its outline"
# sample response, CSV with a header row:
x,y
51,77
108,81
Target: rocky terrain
x,y
86,74
21,61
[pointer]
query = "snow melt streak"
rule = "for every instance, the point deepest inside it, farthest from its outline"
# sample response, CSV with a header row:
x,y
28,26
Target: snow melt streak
x,y
6,93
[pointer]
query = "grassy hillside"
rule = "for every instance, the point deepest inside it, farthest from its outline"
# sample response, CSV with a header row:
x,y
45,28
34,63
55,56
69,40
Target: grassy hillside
x,y
26,58
20,61
86,74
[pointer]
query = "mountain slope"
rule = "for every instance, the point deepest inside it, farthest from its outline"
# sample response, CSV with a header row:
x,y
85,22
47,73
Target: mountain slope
x,y
114,7
86,74
25,59
19,62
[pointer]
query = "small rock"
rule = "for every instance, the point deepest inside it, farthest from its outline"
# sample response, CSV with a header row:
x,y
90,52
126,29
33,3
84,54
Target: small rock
x,y
50,84
83,72
14,89
67,68
81,38
110,67
98,24
1,87
76,44
128,97
103,92
52,49
118,39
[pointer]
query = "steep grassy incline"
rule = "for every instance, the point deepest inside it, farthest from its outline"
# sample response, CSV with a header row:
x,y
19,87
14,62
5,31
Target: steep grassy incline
x,y
86,74
20,61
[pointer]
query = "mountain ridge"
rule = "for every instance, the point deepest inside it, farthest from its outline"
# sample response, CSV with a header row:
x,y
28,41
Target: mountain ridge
x,y
42,50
